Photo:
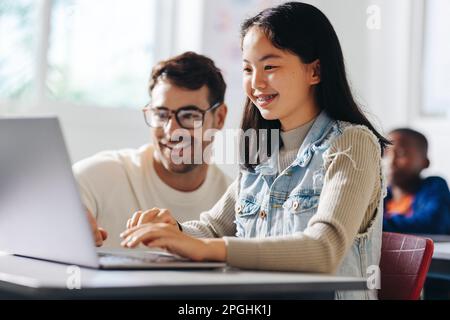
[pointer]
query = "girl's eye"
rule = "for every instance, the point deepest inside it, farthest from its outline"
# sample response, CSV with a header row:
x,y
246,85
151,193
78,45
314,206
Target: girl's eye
x,y
268,68
247,70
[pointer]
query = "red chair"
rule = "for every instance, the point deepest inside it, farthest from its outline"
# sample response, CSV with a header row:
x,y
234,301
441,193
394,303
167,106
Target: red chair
x,y
404,264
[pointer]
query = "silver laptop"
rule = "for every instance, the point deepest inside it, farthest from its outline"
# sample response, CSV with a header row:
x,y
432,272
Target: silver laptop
x,y
41,214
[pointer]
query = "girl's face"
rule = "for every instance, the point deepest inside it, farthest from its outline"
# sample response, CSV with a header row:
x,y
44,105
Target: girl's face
x,y
277,81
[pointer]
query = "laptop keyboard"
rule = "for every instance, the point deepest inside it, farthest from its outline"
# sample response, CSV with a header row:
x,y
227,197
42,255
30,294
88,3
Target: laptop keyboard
x,y
151,260
144,257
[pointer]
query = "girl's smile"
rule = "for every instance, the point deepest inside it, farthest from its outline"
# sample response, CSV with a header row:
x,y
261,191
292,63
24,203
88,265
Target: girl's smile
x,y
264,100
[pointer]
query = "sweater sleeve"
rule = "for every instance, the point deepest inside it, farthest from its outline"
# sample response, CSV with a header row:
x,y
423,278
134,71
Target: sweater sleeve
x,y
99,178
219,220
352,174
84,186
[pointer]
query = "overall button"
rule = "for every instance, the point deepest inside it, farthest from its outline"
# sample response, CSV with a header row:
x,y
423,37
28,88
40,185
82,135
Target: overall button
x,y
295,205
262,214
239,209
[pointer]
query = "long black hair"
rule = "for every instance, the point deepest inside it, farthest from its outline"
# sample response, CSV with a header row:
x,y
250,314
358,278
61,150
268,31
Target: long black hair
x,y
305,31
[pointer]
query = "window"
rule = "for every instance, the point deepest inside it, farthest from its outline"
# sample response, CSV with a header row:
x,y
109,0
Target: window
x,y
96,53
436,66
17,47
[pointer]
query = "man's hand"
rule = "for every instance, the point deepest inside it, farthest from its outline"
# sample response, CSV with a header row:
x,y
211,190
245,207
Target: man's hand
x,y
100,234
154,215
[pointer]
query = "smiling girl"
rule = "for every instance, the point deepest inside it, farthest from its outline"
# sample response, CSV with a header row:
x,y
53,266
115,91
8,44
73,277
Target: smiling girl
x,y
314,205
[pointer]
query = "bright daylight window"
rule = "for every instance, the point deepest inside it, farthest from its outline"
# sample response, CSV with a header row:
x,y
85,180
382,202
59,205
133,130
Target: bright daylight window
x,y
436,67
17,48
100,52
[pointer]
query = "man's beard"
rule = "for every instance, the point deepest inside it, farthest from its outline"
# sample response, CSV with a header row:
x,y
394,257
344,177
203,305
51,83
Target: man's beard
x,y
180,168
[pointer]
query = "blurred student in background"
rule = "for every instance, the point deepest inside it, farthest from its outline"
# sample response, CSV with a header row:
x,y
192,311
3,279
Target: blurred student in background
x,y
414,204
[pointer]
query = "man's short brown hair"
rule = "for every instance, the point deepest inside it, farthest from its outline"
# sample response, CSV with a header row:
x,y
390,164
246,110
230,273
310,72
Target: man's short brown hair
x,y
191,71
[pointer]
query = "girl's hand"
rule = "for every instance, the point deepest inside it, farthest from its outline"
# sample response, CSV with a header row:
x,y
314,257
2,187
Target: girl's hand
x,y
170,238
153,215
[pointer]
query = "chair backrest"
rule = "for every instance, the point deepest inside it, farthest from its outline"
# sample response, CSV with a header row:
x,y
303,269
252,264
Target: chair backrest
x,y
404,264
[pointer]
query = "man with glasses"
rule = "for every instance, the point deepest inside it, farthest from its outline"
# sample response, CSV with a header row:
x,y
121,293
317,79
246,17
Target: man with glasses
x,y
187,97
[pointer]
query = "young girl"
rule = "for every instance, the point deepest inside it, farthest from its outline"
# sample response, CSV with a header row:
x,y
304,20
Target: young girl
x,y
314,206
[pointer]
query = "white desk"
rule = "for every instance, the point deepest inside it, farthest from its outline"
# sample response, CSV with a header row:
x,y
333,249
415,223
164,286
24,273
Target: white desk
x,y
440,264
437,285
442,251
30,278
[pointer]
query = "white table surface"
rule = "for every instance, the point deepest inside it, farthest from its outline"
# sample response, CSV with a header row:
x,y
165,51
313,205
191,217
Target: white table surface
x,y
37,274
441,250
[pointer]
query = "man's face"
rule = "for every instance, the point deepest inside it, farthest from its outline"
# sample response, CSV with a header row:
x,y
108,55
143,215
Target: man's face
x,y
174,144
404,159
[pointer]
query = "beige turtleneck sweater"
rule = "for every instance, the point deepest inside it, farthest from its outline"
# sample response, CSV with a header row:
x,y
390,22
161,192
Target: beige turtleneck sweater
x,y
292,140
350,196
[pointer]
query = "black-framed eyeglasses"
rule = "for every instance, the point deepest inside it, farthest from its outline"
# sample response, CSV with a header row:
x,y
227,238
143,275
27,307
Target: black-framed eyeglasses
x,y
188,117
